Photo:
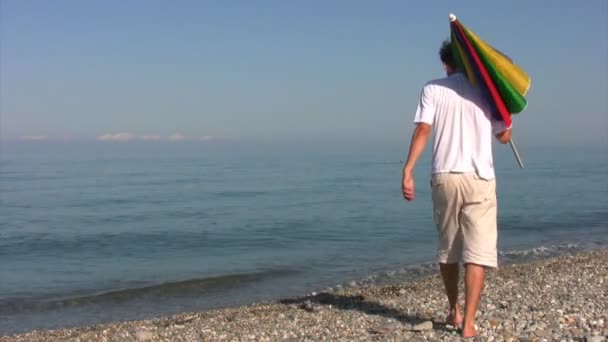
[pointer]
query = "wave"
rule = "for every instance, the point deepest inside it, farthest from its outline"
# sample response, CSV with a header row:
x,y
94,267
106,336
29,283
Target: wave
x,y
588,219
542,252
416,271
169,290
240,194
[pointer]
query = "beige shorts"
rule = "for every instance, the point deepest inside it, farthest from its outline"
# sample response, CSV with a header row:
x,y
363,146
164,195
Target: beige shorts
x,y
465,213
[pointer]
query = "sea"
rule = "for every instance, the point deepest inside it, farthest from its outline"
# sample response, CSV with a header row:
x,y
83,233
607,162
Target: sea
x,y
96,232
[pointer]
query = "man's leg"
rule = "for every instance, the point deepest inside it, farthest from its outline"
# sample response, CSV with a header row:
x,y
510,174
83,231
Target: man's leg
x,y
446,207
474,277
478,220
449,273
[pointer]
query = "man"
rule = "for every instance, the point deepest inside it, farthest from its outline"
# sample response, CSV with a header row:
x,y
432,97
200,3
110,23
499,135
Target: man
x,y
463,185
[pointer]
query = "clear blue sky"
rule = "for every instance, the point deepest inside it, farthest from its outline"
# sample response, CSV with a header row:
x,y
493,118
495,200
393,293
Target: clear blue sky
x,y
283,70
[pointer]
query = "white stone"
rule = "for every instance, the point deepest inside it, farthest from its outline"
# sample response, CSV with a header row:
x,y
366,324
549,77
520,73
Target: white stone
x,y
143,335
428,325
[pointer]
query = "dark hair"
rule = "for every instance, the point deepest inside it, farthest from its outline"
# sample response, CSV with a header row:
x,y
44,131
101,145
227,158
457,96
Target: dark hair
x,y
446,54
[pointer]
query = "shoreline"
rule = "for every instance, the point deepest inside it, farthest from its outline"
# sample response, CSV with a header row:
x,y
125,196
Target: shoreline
x,y
559,298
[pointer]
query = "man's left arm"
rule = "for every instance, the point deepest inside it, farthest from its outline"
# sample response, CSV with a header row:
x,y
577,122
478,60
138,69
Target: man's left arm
x,y
421,135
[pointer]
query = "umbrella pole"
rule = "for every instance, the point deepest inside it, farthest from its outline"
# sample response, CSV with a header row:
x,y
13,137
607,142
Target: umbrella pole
x,y
512,144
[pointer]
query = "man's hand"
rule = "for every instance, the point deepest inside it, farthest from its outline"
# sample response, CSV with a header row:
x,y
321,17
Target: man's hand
x,y
407,185
505,136
419,137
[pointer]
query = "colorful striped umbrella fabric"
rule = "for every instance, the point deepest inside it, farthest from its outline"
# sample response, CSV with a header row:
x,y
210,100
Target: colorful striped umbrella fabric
x,y
503,83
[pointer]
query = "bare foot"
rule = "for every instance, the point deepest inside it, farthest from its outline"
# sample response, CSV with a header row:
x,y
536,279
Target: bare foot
x,y
469,331
454,318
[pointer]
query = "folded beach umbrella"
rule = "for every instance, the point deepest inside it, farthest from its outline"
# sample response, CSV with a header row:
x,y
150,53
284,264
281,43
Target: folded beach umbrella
x,y
503,83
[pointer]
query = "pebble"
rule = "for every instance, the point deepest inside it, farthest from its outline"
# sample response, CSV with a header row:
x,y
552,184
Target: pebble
x,y
542,333
428,325
385,329
143,335
576,332
308,306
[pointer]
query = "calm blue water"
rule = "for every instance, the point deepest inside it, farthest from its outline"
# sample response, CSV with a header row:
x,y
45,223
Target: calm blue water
x,y
94,232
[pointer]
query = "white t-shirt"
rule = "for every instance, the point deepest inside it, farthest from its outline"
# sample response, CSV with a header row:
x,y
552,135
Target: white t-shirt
x,y
462,125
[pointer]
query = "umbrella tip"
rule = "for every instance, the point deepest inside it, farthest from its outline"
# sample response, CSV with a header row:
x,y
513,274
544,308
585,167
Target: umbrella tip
x,y
452,17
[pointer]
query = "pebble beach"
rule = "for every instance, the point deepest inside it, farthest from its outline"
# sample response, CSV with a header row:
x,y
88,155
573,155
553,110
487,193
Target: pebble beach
x,y
558,299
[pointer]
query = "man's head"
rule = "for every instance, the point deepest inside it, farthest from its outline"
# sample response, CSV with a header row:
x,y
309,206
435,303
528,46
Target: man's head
x,y
446,55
